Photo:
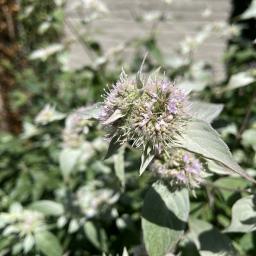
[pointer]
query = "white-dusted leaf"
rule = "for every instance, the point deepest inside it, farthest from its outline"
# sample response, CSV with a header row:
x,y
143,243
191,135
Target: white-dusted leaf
x,y
146,158
44,53
28,243
209,240
200,138
119,166
73,226
47,207
68,160
239,80
243,215
190,85
115,116
204,111
47,243
125,252
164,217
250,13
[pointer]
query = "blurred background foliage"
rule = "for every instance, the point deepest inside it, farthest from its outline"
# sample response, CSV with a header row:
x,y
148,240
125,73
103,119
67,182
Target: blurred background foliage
x,y
58,195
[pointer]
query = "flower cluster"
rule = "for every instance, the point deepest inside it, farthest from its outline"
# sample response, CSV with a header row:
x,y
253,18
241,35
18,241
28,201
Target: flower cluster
x,y
21,221
180,168
75,127
93,200
151,115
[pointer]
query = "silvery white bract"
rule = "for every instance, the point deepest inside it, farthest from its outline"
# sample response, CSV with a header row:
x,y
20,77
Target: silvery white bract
x,y
48,114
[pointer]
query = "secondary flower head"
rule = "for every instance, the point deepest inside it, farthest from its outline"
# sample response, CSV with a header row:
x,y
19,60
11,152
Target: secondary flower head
x,y
148,111
180,168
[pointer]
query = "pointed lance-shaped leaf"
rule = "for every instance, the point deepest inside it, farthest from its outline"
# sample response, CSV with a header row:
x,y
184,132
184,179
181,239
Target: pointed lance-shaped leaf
x,y
243,215
119,166
209,240
113,147
146,158
199,137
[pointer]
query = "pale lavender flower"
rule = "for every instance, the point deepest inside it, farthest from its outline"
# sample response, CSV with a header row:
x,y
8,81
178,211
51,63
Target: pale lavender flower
x,y
151,115
180,168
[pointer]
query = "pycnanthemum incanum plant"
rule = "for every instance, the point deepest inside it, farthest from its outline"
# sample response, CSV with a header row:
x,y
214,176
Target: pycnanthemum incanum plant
x,y
154,114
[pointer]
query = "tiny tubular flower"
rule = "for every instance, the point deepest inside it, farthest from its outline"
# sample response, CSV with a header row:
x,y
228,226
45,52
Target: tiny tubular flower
x,y
181,168
151,115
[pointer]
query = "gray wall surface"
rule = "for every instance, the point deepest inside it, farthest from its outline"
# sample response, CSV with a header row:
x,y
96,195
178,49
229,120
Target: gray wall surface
x,y
186,18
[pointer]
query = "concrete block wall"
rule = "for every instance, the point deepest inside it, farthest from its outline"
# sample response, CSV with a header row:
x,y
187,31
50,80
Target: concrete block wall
x,y
185,19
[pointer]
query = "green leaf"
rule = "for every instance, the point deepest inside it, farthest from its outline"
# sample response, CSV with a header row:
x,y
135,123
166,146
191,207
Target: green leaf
x,y
146,159
204,111
164,218
90,112
47,207
114,145
115,116
229,185
96,236
28,243
239,80
243,215
209,240
218,168
200,138
119,166
249,138
48,243
68,160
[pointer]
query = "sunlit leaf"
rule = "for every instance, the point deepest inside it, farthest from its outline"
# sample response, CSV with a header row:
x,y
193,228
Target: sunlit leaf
x,y
28,243
164,217
209,240
47,207
205,111
250,13
48,243
44,53
239,80
68,160
200,138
